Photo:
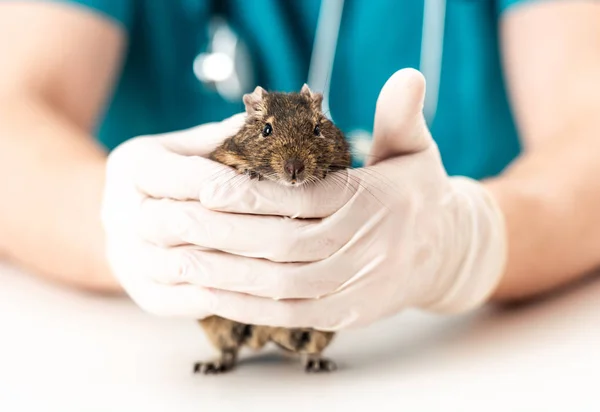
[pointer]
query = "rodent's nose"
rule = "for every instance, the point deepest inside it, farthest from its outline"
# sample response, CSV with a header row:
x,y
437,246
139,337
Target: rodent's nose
x,y
294,167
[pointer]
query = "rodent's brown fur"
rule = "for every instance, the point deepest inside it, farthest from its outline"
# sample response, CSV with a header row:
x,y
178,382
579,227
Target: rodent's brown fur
x,y
293,117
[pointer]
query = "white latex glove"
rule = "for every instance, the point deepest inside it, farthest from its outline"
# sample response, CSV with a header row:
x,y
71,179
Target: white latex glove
x,y
394,235
167,249
148,177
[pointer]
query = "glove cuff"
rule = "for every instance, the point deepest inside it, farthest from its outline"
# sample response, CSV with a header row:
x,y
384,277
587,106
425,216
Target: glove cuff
x,y
482,265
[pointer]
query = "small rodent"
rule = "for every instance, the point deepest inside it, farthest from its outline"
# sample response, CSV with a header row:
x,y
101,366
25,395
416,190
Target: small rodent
x,y
286,138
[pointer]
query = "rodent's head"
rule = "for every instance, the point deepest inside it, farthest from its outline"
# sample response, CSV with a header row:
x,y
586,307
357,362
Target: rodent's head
x,y
286,138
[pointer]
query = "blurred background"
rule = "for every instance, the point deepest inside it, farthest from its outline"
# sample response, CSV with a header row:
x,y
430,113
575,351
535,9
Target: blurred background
x,y
79,78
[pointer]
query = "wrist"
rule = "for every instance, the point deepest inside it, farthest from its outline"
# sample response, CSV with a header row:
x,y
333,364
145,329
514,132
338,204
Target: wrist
x,y
98,275
475,254
101,279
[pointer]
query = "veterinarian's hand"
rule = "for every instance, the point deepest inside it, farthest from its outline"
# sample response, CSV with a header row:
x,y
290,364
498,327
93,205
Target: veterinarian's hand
x,y
152,206
399,233
164,246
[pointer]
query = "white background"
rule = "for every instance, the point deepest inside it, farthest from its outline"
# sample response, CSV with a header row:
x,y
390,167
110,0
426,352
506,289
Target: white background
x,y
62,350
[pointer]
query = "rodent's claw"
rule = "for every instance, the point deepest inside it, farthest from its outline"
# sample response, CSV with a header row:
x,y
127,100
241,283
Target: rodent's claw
x,y
213,367
318,365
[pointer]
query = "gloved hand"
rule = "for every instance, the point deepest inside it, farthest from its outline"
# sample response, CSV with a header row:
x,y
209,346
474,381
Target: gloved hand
x,y
399,233
150,179
165,247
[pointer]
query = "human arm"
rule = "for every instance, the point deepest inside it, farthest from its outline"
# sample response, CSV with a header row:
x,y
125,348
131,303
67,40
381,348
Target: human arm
x,y
58,64
550,195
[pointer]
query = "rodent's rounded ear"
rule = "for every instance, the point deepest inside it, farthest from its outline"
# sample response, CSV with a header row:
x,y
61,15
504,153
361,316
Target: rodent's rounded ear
x,y
306,90
317,98
254,101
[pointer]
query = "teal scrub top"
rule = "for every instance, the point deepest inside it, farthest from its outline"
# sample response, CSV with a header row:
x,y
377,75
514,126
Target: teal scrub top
x,y
158,90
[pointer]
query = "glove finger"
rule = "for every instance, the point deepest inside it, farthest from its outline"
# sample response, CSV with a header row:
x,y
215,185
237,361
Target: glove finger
x,y
270,198
328,313
136,266
166,222
173,165
215,269
184,300
202,140
399,126
160,173
258,277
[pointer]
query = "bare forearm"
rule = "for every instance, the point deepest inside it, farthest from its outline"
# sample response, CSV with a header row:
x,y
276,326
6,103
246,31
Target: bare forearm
x,y
551,200
50,195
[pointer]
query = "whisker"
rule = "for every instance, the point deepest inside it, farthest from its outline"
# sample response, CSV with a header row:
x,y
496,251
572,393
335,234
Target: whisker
x,y
233,182
220,173
325,183
361,184
377,175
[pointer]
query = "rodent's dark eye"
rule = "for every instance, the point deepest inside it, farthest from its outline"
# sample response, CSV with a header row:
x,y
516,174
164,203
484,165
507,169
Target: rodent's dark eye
x,y
268,129
317,130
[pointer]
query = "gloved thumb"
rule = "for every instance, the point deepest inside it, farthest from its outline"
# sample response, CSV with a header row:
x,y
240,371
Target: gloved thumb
x,y
400,126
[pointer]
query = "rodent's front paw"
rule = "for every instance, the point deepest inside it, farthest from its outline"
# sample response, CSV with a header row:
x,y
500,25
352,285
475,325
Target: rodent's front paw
x,y
317,365
212,367
253,175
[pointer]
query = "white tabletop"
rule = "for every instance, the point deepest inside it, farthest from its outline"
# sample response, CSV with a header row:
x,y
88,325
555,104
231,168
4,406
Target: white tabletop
x,y
62,350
